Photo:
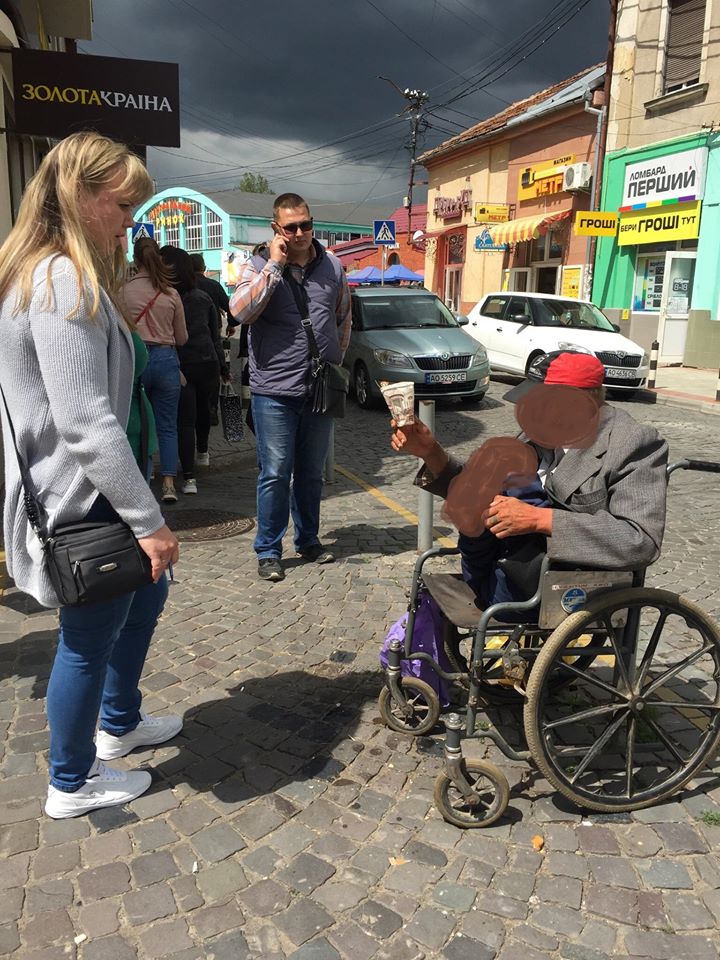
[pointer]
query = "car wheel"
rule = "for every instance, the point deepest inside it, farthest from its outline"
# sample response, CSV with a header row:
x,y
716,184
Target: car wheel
x,y
473,398
361,387
532,358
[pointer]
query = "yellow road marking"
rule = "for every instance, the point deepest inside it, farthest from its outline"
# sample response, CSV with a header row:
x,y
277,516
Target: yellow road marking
x,y
391,504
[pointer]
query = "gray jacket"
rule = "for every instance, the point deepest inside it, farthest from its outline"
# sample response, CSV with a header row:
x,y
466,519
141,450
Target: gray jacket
x,y
611,497
68,385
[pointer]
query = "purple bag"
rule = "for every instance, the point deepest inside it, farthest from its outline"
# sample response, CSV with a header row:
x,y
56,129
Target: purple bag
x,y
426,638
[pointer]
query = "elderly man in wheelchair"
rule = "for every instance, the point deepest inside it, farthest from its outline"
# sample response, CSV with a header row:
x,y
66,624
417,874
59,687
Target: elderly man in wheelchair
x,y
620,684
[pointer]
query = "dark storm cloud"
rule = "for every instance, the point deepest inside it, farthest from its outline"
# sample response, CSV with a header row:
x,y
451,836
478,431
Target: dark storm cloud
x,y
261,85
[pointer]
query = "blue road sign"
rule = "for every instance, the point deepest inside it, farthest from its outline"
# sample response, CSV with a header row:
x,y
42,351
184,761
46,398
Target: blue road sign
x,y
384,232
143,231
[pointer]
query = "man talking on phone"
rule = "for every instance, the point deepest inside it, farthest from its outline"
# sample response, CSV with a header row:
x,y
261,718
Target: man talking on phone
x,y
292,441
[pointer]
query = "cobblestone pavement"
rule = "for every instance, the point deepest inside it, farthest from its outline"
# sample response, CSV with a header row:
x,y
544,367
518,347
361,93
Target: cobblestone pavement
x,y
285,821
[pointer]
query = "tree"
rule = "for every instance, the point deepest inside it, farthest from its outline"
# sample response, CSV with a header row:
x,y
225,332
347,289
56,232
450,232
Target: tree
x,y
254,183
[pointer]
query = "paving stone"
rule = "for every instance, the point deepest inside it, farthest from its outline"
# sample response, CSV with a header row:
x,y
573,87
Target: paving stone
x,y
520,951
303,920
552,810
567,865
155,803
97,851
575,951
615,904
11,905
564,890
109,948
60,831
105,881
186,893
353,942
639,841
109,819
19,837
192,816
558,836
556,919
599,935
665,874
15,871
708,869
211,921
681,838
264,898
256,821
401,947
221,880
518,886
371,860
149,836
339,896
165,939
501,906
424,853
48,928
217,842
153,867
100,919
686,912
712,902
377,920
318,949
671,812
46,896
262,860
594,839
651,911
291,839
667,946
430,927
454,896
613,871
150,903
305,872
492,852
477,872
535,938
9,939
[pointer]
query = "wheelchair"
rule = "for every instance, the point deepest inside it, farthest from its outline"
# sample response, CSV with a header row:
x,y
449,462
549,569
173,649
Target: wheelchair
x,y
619,685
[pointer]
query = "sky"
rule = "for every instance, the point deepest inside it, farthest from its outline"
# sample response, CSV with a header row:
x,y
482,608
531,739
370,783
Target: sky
x,y
292,91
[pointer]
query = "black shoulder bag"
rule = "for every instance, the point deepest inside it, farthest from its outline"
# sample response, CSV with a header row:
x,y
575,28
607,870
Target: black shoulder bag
x,y
87,562
330,382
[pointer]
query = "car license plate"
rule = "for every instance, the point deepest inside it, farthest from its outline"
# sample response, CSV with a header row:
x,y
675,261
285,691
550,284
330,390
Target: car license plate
x,y
621,373
445,377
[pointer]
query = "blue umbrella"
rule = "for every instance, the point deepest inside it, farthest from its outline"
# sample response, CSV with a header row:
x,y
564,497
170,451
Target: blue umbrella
x,y
399,272
366,275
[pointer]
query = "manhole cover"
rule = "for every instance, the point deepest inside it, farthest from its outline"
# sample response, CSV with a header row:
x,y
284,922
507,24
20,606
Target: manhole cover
x,y
207,524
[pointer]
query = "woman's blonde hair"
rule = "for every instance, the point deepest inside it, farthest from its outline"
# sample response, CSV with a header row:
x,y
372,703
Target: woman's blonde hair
x,y
50,220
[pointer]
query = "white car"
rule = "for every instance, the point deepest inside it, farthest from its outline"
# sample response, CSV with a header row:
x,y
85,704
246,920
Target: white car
x,y
517,328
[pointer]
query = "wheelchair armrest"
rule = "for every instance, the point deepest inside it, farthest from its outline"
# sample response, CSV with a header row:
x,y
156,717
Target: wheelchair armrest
x,y
433,552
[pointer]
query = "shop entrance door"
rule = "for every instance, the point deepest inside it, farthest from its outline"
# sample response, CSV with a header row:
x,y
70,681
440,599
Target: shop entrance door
x,y
453,283
675,304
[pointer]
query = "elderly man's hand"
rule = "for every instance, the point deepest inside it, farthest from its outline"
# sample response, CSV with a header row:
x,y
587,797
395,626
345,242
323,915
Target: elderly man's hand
x,y
414,438
509,517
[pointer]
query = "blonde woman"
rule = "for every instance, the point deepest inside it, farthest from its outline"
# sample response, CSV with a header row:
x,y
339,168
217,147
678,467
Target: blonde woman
x,y
155,306
66,372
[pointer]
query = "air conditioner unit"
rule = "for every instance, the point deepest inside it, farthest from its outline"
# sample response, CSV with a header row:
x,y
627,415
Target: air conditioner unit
x,y
577,176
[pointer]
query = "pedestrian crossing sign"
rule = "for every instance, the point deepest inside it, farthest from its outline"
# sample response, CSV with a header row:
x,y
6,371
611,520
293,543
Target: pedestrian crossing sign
x,y
384,232
143,231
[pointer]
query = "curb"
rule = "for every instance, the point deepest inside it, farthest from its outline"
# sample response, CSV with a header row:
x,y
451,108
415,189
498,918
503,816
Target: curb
x,y
689,401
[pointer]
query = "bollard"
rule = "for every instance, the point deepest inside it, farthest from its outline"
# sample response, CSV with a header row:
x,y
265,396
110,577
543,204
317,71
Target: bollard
x,y
426,415
652,376
717,389
330,458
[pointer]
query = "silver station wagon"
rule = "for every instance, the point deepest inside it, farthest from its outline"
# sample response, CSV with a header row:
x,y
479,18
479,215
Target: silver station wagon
x,y
404,333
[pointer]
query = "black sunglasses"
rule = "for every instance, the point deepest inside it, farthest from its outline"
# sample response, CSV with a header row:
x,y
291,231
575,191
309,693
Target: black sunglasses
x,y
291,228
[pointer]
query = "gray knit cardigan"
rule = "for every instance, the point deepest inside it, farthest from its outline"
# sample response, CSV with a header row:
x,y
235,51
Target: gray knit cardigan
x,y
68,385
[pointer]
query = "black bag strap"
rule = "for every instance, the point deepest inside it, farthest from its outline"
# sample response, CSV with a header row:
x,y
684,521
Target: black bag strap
x,y
144,429
301,299
35,511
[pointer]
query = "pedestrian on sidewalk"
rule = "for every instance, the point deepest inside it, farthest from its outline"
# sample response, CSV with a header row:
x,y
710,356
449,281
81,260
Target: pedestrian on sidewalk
x,y
292,441
152,302
66,371
218,294
202,362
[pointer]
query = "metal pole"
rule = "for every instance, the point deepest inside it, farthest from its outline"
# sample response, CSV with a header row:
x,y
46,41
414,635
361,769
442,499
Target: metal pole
x,y
717,389
383,250
652,376
330,458
426,415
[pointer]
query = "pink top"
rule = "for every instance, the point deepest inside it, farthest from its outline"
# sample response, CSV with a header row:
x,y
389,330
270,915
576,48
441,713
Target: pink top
x,y
164,322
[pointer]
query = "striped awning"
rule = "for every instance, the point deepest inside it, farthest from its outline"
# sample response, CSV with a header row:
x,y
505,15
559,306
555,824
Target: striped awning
x,y
526,228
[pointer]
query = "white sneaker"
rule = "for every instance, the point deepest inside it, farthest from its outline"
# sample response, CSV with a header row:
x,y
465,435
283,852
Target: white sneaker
x,y
169,495
190,486
149,731
202,459
104,787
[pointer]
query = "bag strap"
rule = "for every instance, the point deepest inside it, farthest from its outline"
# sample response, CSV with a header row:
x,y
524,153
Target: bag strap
x,y
145,310
301,299
35,511
144,429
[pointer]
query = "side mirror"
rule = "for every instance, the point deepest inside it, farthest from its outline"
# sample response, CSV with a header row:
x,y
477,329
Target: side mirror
x,y
462,320
520,318
616,327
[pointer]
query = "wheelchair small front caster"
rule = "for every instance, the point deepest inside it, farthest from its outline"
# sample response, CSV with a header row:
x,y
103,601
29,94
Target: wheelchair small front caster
x,y
420,712
480,806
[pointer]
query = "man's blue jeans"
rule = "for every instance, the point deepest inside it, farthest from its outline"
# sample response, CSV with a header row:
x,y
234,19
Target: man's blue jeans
x,y
292,444
161,379
100,655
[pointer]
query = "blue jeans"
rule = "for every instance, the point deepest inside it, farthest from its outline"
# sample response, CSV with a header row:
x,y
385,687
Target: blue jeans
x,y
292,444
161,379
100,655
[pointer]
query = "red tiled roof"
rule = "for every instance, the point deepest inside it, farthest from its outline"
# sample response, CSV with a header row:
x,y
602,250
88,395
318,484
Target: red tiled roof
x,y
419,218
497,122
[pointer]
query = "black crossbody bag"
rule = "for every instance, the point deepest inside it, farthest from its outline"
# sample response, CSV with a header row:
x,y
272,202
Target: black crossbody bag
x,y
88,562
329,382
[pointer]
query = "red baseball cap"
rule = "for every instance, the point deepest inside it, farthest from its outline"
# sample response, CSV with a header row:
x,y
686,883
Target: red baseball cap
x,y
582,370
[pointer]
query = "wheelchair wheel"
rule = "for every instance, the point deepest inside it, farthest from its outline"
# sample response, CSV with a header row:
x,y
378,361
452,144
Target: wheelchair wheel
x,y
423,700
643,717
491,785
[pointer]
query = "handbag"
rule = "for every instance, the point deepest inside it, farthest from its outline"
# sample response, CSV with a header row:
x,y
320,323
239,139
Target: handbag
x,y
329,382
231,414
87,562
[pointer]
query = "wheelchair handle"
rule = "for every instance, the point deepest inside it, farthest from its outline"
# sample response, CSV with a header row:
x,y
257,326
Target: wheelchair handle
x,y
704,466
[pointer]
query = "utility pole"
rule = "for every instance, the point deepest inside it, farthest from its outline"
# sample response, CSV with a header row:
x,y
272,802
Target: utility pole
x,y
415,101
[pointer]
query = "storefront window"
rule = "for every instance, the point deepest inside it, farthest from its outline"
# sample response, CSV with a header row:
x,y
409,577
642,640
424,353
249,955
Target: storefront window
x,y
456,248
649,277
